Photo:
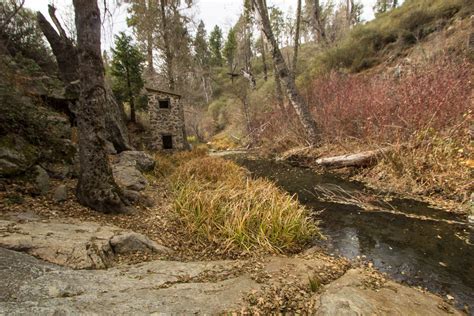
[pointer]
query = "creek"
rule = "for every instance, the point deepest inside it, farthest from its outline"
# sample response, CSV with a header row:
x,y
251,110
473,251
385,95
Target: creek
x,y
410,241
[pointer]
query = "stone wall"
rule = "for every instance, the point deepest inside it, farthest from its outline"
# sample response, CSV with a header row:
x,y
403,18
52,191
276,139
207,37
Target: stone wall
x,y
168,121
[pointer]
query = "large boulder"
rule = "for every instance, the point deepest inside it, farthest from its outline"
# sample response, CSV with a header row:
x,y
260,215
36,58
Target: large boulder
x,y
128,167
129,177
16,155
60,193
59,124
131,242
41,179
141,159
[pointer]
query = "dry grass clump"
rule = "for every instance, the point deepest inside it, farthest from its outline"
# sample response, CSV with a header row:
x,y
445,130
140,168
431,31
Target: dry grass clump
x,y
166,164
211,169
217,202
223,142
431,163
184,156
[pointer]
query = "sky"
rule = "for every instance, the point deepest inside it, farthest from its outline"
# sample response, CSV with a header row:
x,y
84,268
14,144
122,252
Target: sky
x,y
213,12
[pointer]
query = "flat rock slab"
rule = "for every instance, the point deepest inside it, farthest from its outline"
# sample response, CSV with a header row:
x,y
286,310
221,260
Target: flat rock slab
x,y
33,287
78,245
350,295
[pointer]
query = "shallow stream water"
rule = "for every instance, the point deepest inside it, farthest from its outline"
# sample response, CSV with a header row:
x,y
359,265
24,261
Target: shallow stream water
x,y
409,240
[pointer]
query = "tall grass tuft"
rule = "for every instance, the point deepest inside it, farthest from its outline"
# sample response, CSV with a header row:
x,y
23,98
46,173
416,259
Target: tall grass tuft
x,y
217,202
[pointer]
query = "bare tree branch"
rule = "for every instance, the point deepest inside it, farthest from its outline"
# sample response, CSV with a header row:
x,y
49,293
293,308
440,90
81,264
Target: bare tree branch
x,y
52,14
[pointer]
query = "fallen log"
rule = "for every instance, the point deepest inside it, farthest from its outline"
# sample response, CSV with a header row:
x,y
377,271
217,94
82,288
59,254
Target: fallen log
x,y
363,159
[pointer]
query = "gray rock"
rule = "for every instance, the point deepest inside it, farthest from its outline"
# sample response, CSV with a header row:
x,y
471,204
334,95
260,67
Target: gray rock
x,y
138,198
58,170
41,180
79,245
60,194
30,286
132,196
350,296
141,159
131,242
59,124
109,147
158,287
129,177
16,155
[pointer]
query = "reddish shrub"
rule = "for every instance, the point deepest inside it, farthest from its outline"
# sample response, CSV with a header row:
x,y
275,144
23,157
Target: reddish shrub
x,y
385,108
375,109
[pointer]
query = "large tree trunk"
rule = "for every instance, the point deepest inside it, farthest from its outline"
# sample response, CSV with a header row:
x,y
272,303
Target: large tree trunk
x,y
301,108
96,187
68,64
297,38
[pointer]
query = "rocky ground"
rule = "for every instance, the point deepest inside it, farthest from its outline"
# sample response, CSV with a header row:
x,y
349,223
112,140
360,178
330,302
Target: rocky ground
x,y
89,280
57,257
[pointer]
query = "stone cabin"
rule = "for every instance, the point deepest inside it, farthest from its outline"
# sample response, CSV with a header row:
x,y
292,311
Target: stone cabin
x,y
166,120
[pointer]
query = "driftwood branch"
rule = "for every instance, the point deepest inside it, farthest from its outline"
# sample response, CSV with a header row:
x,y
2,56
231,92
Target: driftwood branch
x,y
363,159
306,156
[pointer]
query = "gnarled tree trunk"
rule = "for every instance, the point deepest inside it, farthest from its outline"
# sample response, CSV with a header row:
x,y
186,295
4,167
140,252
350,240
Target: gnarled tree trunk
x,y
68,64
301,108
96,187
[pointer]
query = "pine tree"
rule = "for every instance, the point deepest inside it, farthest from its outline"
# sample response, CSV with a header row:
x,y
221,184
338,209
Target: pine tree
x,y
230,48
127,69
202,58
143,18
201,47
215,45
278,23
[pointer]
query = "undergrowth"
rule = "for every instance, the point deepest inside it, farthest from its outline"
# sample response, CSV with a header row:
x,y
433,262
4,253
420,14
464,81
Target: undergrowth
x,y
217,202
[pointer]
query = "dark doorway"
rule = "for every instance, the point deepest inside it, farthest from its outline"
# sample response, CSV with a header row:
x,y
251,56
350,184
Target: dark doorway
x,y
167,141
164,104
